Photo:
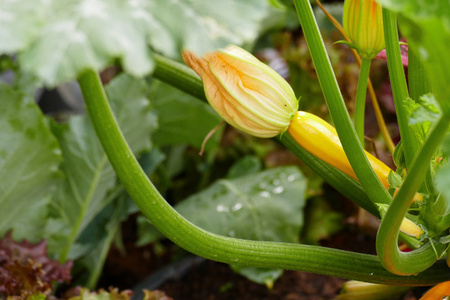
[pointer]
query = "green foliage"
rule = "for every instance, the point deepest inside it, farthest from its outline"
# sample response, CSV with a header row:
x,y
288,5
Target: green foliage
x,y
245,166
29,159
89,175
58,39
182,119
264,206
321,221
423,113
427,25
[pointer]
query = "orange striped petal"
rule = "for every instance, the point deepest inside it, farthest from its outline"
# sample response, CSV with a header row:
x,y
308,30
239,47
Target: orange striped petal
x,y
245,92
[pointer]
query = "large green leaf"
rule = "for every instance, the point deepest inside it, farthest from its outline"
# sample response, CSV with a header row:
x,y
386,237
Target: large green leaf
x,y
89,174
426,24
206,25
264,206
182,118
57,39
29,159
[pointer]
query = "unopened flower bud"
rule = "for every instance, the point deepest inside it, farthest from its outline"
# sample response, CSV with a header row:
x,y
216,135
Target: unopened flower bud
x,y
245,92
363,24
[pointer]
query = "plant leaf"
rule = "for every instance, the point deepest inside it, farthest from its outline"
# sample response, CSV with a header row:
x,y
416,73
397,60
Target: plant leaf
x,y
58,39
89,174
427,25
182,118
263,206
202,26
423,113
29,159
245,166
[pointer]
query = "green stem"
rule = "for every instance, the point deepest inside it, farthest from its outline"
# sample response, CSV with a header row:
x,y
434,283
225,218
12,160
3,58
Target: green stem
x,y
336,105
343,183
390,256
398,84
360,106
178,75
419,86
224,249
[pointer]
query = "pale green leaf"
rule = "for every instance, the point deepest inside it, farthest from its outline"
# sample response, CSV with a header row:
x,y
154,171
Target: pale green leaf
x,y
89,174
29,159
89,34
205,25
58,39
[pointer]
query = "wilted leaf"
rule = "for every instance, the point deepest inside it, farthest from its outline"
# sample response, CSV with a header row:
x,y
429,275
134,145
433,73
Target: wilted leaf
x,y
29,159
89,174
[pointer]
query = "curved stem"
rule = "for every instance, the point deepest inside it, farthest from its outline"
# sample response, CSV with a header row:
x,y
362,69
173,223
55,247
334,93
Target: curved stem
x,y
344,127
360,107
390,256
398,84
224,249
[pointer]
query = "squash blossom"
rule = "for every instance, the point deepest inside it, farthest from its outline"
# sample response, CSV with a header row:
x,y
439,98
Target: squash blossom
x,y
245,92
363,24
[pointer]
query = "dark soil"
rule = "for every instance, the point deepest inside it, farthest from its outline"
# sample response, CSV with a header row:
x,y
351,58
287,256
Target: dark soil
x,y
215,281
208,280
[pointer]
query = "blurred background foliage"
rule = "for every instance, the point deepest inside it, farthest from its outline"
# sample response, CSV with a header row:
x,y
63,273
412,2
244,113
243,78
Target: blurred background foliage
x,y
56,176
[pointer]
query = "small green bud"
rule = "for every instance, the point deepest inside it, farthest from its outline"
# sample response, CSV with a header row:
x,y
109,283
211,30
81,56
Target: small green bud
x,y
363,24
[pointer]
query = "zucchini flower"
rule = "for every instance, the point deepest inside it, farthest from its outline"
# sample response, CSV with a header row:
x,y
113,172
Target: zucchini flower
x,y
245,92
363,24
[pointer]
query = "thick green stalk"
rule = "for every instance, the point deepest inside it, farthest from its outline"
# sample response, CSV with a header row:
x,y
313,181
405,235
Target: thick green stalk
x,y
419,85
398,84
418,82
224,249
178,75
343,183
344,127
360,106
390,256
